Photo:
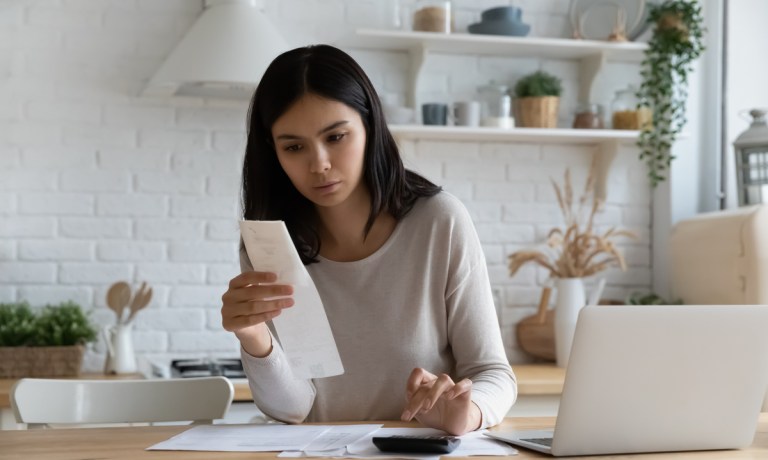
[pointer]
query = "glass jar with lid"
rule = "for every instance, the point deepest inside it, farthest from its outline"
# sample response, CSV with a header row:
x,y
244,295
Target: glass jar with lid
x,y
433,16
625,113
588,116
496,106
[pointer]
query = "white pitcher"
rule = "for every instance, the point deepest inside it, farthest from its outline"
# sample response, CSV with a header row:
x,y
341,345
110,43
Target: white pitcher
x,y
120,356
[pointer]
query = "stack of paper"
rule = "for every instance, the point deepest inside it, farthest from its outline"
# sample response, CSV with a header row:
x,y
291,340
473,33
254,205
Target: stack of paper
x,y
293,441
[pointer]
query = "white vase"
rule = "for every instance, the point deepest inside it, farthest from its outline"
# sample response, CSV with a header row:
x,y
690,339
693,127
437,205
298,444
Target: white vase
x,y
571,298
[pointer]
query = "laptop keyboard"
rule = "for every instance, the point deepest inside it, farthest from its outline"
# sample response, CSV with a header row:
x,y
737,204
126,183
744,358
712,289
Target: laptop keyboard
x,y
541,441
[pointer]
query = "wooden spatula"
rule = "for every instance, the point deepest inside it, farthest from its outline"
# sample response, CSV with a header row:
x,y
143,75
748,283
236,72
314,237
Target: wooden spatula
x,y
140,300
118,296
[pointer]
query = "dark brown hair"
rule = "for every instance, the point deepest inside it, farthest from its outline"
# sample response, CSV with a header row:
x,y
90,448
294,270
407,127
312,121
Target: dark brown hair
x,y
268,193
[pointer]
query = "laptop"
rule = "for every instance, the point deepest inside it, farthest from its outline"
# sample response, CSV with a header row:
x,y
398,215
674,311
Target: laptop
x,y
645,378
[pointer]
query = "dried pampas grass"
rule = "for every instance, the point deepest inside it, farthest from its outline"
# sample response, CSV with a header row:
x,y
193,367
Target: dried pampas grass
x,y
576,251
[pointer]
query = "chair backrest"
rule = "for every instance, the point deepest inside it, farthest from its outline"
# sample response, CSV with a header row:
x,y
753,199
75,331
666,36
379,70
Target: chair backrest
x,y
50,401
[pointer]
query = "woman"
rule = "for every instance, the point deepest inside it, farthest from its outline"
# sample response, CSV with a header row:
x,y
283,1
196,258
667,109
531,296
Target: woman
x,y
397,262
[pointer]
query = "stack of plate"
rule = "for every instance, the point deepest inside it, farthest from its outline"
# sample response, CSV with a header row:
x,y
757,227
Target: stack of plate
x,y
502,20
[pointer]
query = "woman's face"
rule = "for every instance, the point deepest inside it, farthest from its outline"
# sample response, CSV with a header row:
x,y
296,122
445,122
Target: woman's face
x,y
320,144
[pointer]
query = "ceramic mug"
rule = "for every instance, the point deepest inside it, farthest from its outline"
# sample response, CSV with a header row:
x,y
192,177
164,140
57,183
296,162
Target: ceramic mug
x,y
434,113
466,113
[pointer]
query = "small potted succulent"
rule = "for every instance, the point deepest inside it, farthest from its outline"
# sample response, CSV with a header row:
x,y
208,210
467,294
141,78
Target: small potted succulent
x,y
46,342
537,99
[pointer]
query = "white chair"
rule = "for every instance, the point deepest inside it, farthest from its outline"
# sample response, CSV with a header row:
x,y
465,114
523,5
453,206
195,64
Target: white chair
x,y
40,402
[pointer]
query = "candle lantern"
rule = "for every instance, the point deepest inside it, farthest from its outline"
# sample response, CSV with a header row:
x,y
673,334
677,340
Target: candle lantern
x,y
752,161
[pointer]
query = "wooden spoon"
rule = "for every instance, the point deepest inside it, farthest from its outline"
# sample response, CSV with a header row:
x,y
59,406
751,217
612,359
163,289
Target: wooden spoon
x,y
118,296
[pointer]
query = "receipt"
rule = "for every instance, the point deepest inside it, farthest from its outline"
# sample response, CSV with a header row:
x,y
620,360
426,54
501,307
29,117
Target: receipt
x,y
303,329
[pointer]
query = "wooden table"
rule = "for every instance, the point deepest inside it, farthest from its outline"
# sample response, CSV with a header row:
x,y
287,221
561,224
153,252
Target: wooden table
x,y
129,443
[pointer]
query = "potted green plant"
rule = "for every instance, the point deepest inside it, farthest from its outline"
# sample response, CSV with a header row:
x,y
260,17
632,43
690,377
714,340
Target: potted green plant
x,y
537,99
677,41
46,342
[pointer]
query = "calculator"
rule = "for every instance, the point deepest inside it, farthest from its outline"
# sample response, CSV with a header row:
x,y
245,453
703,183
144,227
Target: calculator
x,y
417,444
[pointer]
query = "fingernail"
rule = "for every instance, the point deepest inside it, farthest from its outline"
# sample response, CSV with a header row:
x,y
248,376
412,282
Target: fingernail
x,y
406,416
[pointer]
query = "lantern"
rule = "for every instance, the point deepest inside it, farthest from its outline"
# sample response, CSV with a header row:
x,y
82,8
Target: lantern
x,y
752,161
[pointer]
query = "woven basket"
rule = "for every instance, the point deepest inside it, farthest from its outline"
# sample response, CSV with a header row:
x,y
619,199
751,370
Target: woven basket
x,y
16,362
536,112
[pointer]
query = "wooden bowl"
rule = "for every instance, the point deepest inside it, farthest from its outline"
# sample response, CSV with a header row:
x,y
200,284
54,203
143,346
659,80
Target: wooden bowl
x,y
537,338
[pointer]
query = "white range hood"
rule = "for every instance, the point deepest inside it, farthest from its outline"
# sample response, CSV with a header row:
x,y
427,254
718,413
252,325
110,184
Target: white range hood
x,y
224,54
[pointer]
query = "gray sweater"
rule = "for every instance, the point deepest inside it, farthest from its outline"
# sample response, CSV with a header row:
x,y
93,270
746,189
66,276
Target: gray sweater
x,y
421,300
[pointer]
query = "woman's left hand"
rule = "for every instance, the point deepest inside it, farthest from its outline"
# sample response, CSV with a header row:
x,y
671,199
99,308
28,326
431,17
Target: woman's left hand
x,y
438,402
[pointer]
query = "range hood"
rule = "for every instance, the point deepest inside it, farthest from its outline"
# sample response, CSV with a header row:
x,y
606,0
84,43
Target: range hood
x,y
224,54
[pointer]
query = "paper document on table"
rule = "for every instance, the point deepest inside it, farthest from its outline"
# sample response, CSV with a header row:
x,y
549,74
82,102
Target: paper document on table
x,y
243,438
298,441
336,439
303,329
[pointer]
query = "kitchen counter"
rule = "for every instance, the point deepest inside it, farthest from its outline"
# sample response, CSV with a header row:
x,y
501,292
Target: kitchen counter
x,y
532,379
539,388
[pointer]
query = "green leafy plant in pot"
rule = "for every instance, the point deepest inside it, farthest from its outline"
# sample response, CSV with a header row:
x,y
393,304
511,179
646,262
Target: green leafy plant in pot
x,y
537,99
47,342
676,42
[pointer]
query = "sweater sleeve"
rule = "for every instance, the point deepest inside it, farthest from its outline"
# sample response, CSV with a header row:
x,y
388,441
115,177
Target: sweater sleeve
x,y
275,390
473,326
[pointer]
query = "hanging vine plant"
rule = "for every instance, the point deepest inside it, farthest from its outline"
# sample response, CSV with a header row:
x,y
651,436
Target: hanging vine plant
x,y
676,42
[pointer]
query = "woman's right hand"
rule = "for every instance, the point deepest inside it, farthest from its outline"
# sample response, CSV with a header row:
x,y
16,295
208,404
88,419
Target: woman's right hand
x,y
251,300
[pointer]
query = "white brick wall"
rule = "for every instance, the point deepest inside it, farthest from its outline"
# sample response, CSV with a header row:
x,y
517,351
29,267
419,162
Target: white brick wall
x,y
99,185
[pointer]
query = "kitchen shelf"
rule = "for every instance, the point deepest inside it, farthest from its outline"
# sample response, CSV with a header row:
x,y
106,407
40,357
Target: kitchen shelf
x,y
537,135
606,140
591,54
458,43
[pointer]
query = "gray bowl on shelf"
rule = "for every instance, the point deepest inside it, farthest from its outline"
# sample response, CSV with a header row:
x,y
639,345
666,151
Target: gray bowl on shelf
x,y
502,13
500,27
